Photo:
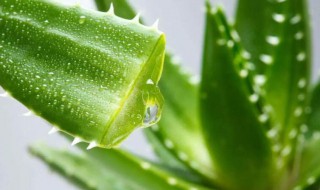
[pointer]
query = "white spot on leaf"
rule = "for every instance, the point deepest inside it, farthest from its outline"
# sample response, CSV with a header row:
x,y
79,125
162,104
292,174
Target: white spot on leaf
x,y
267,59
273,40
280,18
296,19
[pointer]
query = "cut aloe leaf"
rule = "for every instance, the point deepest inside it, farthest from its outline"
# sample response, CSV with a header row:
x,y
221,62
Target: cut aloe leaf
x,y
92,75
233,127
117,171
180,115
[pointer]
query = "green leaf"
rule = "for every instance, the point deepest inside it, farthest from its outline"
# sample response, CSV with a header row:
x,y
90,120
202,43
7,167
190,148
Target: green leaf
x,y
110,169
288,76
253,27
278,38
308,170
233,125
313,119
92,75
180,115
162,152
77,168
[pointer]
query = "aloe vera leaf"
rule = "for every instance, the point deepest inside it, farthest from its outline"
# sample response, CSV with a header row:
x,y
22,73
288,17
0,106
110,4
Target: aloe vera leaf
x,y
78,169
313,119
180,110
100,156
288,76
181,172
162,152
309,170
92,75
282,44
118,170
253,27
233,130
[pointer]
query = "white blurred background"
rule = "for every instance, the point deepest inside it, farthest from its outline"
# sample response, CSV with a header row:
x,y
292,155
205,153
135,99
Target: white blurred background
x,y
181,20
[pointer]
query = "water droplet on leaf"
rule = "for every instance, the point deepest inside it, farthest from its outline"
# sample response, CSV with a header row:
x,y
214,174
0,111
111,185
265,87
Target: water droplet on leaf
x,y
151,115
82,19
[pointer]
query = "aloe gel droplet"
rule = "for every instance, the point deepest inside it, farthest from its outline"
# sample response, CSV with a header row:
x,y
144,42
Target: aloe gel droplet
x,y
150,116
153,104
82,19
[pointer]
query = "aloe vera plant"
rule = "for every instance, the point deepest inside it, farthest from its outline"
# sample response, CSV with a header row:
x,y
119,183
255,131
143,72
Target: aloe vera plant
x,y
251,123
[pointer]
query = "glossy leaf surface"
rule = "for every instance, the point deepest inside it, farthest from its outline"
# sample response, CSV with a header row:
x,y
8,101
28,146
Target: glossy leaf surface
x,y
309,169
278,38
110,169
234,130
91,74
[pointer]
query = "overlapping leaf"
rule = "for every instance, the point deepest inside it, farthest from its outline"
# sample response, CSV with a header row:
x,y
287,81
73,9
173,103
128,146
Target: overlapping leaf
x,y
309,170
110,169
232,124
278,38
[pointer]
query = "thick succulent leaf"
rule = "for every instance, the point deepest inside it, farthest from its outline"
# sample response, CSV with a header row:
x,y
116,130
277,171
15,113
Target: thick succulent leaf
x,y
308,172
253,27
91,74
288,75
233,129
309,168
180,115
313,119
117,171
162,152
173,171
78,169
177,170
277,36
